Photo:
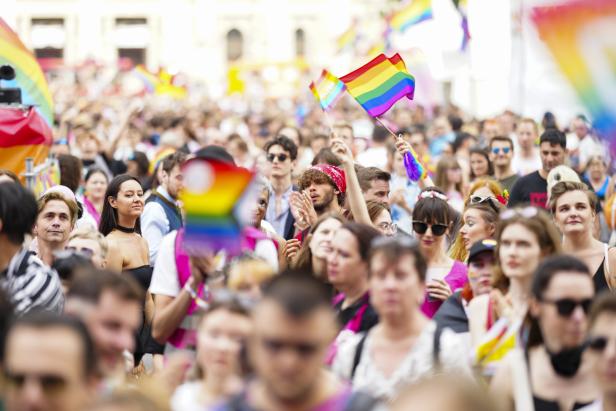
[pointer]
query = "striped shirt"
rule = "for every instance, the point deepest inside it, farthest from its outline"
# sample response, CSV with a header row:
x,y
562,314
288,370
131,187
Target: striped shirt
x,y
31,285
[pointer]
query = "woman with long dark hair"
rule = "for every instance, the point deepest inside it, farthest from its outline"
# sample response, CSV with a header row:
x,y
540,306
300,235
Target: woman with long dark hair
x,y
559,375
128,251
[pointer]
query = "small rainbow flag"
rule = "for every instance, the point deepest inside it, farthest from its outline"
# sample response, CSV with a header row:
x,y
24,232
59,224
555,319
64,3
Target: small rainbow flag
x,y
327,90
28,74
348,38
160,156
381,82
211,195
414,12
160,84
580,35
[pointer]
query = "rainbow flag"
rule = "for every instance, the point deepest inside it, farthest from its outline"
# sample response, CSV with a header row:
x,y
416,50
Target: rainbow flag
x,y
580,35
327,90
413,12
28,74
160,156
210,198
47,176
160,84
381,82
348,38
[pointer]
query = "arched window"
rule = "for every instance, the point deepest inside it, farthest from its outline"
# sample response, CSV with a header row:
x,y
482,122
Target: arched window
x,y
300,43
235,45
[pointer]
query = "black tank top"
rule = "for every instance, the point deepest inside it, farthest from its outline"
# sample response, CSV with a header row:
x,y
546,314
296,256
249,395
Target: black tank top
x,y
599,278
143,275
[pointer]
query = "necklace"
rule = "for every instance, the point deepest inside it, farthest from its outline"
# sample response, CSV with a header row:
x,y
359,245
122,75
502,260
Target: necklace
x,y
125,229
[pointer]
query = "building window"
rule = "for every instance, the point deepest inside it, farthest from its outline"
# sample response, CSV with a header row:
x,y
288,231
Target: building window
x,y
48,39
132,38
235,45
300,43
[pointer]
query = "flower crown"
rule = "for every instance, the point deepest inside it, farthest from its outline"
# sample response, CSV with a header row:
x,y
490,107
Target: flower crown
x,y
432,194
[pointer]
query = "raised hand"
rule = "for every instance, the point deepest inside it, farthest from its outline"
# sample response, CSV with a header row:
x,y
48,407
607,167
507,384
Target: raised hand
x,y
342,151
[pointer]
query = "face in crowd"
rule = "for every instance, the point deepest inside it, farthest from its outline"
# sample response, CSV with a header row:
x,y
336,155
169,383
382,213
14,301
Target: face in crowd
x,y
345,265
552,155
54,223
280,161
573,213
173,180
129,200
45,371
289,351
321,240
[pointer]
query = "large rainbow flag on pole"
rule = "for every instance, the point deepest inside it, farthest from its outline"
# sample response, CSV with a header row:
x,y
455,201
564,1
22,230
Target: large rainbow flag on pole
x,y
28,74
581,35
380,83
327,90
414,12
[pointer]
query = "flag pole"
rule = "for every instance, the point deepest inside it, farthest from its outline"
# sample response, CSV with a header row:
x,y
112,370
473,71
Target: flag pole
x,y
387,128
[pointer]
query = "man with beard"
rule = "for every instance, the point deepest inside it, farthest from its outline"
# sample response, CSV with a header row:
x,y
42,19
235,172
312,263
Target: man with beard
x,y
324,185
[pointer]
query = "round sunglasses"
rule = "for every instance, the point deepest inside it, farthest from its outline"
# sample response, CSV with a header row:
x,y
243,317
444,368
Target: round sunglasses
x,y
281,157
421,227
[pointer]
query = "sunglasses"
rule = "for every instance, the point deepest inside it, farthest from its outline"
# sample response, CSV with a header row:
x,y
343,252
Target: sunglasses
x,y
281,157
389,227
50,384
527,212
437,229
86,252
497,150
598,343
566,306
491,201
303,349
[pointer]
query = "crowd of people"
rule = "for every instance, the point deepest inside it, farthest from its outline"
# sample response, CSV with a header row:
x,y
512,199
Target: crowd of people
x,y
483,286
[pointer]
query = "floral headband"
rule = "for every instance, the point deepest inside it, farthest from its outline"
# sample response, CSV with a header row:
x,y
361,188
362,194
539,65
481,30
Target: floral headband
x,y
432,194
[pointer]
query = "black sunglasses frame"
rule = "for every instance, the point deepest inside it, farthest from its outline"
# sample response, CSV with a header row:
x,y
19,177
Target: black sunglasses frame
x,y
282,157
566,306
421,227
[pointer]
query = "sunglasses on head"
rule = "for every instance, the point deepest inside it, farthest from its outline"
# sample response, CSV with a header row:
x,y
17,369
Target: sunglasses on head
x,y
566,306
497,150
303,349
86,252
281,157
491,201
527,212
437,229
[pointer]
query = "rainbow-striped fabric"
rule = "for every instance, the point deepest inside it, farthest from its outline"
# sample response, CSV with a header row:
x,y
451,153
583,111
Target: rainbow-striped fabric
x,y
414,12
29,76
580,35
212,191
327,90
380,83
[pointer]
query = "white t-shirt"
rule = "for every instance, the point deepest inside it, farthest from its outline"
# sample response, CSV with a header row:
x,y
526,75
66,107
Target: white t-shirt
x,y
525,166
186,397
165,276
417,363
373,157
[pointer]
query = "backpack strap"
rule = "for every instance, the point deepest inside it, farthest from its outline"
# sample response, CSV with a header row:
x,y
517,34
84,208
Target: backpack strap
x,y
358,352
436,348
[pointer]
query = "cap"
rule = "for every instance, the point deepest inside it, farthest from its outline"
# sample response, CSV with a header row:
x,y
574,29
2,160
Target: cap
x,y
481,246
